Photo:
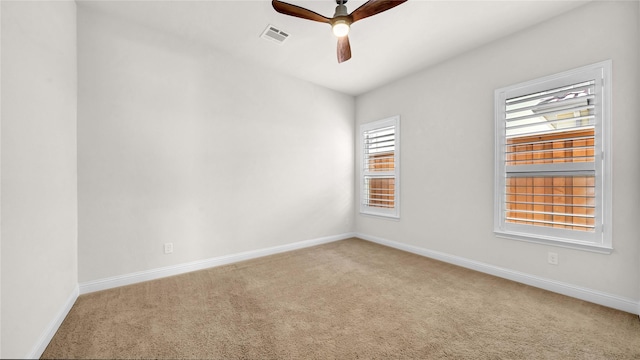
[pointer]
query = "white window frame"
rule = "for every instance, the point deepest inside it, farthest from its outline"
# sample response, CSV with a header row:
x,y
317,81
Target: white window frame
x,y
601,239
364,174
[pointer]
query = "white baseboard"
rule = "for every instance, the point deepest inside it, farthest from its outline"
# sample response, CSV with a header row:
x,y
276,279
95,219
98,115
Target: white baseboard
x,y
152,274
594,296
51,330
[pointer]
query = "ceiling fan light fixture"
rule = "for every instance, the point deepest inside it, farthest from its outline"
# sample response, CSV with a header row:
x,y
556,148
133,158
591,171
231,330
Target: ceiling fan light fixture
x,y
341,20
340,28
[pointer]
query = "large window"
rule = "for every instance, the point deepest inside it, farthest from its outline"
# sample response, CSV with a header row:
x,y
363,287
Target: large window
x,y
380,170
553,177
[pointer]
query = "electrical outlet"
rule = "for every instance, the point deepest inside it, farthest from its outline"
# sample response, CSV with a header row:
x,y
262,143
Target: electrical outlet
x,y
552,258
168,248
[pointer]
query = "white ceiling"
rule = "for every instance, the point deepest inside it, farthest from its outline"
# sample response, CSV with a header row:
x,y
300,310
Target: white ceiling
x,y
385,47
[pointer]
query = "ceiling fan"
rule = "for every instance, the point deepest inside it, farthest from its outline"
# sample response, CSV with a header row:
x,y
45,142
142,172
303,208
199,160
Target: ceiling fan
x,y
341,20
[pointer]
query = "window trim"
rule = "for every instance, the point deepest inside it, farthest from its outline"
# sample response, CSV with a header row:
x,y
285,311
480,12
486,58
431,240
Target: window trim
x,y
366,210
601,241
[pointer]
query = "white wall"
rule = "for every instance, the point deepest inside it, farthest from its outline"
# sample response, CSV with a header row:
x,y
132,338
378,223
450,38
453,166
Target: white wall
x,y
0,184
38,184
448,137
181,144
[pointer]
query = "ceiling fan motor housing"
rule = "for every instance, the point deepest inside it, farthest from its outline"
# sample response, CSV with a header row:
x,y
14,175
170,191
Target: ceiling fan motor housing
x,y
341,10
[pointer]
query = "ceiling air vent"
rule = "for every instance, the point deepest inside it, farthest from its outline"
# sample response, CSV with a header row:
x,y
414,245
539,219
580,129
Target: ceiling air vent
x,y
274,34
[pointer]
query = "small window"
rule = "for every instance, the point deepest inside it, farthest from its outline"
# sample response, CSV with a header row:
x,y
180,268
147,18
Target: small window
x,y
553,177
380,167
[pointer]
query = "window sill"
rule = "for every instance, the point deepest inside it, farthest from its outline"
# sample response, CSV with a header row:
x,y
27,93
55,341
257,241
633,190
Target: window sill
x,y
380,216
577,245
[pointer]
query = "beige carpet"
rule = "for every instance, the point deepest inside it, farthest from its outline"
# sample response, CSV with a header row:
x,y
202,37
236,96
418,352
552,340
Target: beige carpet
x,y
349,299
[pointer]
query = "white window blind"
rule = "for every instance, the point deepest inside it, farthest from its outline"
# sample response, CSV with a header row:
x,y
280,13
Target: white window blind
x,y
380,167
547,133
551,163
